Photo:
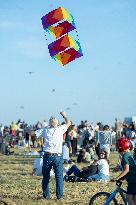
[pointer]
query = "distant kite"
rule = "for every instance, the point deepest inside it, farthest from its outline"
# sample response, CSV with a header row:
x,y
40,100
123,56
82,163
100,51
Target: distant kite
x,y
59,23
21,107
53,90
75,104
30,72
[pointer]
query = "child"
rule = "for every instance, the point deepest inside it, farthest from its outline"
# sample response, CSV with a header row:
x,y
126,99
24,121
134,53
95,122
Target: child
x,y
129,169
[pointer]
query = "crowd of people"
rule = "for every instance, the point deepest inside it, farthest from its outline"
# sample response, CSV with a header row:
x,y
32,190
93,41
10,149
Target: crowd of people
x,y
86,135
19,134
60,143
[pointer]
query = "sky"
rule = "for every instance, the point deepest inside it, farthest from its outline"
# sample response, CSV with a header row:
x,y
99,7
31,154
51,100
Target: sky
x,y
99,86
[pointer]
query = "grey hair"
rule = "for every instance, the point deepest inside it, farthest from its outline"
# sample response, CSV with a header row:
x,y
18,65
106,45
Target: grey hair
x,y
52,118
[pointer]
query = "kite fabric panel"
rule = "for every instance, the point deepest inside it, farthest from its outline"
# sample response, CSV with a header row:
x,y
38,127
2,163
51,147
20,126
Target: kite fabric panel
x,y
56,16
61,29
67,56
65,49
61,44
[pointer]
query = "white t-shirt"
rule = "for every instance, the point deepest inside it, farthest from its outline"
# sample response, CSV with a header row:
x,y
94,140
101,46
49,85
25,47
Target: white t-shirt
x,y
53,138
103,167
44,124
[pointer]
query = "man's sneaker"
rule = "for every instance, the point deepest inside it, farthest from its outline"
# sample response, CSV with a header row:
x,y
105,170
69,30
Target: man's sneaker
x,y
46,197
66,178
60,199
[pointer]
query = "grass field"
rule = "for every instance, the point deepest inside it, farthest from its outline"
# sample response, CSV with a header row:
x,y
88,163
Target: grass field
x,y
19,187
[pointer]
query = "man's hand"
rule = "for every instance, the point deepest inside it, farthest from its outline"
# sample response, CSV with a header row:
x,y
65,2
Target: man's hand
x,y
63,114
67,121
117,180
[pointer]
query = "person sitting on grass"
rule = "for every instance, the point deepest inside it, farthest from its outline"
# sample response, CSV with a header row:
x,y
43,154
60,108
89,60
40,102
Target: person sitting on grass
x,y
84,156
80,175
103,168
124,147
98,171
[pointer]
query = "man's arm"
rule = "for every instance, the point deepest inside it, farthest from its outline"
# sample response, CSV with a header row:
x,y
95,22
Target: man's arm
x,y
67,121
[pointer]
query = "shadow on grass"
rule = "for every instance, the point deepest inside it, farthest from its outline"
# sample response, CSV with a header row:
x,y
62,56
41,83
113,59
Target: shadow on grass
x,y
6,202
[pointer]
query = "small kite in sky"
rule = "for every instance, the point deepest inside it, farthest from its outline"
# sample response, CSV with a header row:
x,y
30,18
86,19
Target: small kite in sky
x,y
30,72
68,108
21,107
53,90
59,23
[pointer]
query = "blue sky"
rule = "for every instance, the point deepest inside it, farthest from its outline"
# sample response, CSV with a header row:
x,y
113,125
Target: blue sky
x,y
102,82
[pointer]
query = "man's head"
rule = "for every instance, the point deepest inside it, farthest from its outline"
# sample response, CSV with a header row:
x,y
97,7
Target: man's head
x,y
53,122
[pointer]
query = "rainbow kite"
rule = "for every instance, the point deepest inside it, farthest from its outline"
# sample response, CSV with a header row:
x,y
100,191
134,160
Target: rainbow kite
x,y
59,23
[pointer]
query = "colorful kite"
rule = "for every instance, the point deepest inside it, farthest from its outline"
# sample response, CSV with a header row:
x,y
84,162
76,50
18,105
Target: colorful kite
x,y
65,49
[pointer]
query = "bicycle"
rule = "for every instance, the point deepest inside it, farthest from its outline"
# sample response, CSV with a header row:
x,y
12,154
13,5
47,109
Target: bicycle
x,y
97,199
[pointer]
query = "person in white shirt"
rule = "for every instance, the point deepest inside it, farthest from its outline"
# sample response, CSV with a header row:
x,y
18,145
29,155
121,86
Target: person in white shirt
x,y
44,124
53,140
104,138
103,168
1,129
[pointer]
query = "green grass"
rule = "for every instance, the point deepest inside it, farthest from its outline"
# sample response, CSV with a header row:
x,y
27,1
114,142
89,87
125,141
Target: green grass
x,y
19,187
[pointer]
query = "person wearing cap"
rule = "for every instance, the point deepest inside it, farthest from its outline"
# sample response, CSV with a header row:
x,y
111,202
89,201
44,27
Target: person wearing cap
x,y
53,141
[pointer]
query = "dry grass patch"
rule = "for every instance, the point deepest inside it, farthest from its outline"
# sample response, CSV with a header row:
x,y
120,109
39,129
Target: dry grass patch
x,y
19,187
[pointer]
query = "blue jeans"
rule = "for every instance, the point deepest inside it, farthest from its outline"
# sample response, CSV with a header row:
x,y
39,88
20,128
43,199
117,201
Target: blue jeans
x,y
56,162
74,170
99,177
